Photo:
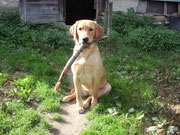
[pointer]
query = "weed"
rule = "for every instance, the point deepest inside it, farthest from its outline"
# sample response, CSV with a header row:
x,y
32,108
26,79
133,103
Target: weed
x,y
24,87
124,23
57,117
115,125
3,78
51,105
149,39
46,125
19,122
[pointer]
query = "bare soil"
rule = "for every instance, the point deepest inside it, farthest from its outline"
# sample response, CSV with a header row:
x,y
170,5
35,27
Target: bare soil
x,y
73,121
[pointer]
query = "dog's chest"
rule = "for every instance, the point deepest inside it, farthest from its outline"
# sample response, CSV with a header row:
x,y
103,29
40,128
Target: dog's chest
x,y
83,70
82,67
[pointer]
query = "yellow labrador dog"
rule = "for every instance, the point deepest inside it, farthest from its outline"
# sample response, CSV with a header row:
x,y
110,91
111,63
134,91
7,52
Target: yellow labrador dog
x,y
88,71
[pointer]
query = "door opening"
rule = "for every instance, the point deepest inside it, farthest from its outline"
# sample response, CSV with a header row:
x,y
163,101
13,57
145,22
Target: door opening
x,y
79,9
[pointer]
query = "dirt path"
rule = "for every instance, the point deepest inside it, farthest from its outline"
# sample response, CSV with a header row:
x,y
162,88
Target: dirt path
x,y
73,121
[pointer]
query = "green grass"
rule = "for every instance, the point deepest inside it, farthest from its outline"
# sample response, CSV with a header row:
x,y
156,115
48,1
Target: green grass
x,y
57,117
133,100
46,125
38,52
51,105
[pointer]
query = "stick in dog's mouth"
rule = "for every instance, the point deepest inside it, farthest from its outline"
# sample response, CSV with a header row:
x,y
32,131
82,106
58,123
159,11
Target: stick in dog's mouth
x,y
72,59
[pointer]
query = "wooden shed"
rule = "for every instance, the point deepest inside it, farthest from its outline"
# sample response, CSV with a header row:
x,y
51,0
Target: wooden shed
x,y
68,11
159,7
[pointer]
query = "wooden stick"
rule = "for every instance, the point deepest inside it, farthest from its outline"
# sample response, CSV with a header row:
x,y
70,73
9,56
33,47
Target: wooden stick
x,y
71,60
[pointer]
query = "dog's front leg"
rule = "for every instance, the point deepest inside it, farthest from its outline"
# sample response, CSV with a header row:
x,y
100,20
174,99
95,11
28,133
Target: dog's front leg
x,y
78,91
94,96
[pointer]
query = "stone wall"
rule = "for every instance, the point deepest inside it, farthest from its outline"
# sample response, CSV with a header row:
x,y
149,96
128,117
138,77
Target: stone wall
x,y
124,5
9,3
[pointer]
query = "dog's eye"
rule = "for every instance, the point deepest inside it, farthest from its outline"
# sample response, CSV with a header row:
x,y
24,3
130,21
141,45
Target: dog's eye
x,y
90,29
80,28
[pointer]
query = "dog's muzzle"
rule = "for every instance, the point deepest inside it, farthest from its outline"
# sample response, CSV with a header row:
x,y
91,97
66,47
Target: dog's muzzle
x,y
85,40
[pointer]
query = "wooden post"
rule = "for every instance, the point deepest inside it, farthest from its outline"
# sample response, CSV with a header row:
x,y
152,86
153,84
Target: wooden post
x,y
165,8
106,14
61,17
179,7
110,6
142,6
100,7
97,10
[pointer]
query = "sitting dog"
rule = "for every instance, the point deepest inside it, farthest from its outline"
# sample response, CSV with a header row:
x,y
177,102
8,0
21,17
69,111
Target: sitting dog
x,y
88,71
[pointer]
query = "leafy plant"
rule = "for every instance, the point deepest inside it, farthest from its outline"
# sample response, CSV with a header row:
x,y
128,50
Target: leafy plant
x,y
24,86
3,78
57,117
149,39
46,125
51,105
126,22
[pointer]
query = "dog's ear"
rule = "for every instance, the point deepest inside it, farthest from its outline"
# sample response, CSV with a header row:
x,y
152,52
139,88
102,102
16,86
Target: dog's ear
x,y
73,30
99,30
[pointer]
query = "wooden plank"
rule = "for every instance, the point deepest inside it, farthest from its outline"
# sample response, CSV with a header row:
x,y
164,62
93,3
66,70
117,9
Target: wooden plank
x,y
167,0
155,7
172,7
64,10
142,5
61,10
103,5
22,10
165,8
42,9
97,10
106,14
178,7
100,7
110,7
42,1
40,19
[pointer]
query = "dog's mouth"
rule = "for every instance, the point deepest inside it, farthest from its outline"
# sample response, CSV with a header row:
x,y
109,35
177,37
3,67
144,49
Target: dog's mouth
x,y
85,40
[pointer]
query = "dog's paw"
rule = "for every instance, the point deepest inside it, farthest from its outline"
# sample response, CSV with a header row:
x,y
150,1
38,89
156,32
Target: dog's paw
x,y
66,99
86,105
93,103
80,110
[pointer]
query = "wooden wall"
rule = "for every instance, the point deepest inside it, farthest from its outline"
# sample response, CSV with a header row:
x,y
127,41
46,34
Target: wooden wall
x,y
41,11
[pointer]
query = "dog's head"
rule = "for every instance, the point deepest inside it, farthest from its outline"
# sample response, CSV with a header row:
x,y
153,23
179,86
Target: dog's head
x,y
84,31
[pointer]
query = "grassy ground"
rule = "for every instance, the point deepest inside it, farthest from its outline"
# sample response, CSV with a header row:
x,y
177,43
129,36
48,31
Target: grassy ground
x,y
143,69
30,61
133,107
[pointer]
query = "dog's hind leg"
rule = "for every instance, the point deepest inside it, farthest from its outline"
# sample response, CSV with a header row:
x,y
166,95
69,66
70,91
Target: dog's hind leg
x,y
87,103
104,90
70,97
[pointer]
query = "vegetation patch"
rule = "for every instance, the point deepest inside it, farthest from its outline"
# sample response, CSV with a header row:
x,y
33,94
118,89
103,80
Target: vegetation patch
x,y
143,32
30,56
142,66
57,117
135,105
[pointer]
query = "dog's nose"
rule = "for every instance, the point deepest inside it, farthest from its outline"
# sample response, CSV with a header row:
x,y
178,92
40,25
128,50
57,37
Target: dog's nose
x,y
85,40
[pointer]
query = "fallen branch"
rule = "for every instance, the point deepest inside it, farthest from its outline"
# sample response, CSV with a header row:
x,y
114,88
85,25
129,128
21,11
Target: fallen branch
x,y
72,59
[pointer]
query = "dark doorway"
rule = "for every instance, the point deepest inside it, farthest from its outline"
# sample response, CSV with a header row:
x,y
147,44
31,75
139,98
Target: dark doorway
x,y
79,9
